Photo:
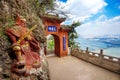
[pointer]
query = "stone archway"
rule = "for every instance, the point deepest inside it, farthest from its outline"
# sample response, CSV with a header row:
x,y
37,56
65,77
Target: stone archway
x,y
56,49
50,46
52,26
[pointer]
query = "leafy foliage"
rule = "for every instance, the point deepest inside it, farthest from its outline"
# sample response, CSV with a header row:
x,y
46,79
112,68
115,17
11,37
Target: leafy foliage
x,y
50,43
73,34
41,6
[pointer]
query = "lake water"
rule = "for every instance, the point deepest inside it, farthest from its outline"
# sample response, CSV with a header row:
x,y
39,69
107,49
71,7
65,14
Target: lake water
x,y
96,46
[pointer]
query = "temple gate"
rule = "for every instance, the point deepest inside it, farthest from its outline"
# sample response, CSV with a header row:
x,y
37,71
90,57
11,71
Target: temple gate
x,y
53,27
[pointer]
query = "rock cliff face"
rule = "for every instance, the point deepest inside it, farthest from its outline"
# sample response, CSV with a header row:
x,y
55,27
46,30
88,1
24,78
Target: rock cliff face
x,y
28,9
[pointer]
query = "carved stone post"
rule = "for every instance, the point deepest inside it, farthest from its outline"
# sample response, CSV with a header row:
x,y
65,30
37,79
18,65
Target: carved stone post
x,y
101,56
86,54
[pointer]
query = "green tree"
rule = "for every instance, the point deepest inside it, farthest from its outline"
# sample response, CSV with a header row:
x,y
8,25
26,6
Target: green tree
x,y
46,5
72,35
50,43
42,6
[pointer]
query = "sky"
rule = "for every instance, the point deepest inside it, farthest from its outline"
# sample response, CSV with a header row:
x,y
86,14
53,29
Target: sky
x,y
98,17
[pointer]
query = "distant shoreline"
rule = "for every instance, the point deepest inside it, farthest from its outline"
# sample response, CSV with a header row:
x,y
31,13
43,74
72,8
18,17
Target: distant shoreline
x,y
112,51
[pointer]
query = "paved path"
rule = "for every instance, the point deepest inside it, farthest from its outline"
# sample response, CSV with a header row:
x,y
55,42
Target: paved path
x,y
71,68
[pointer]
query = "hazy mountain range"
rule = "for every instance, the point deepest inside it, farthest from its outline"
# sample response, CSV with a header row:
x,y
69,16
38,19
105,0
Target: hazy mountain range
x,y
99,42
111,40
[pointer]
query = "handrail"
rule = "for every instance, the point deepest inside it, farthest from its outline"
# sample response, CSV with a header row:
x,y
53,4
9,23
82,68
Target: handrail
x,y
108,62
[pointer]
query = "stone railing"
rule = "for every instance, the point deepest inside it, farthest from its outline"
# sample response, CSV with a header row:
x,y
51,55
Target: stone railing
x,y
99,59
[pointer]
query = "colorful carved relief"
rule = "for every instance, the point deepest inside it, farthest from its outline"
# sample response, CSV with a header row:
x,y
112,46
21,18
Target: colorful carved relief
x,y
24,46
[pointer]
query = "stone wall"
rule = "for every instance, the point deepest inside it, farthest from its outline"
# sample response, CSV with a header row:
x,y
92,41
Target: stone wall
x,y
99,59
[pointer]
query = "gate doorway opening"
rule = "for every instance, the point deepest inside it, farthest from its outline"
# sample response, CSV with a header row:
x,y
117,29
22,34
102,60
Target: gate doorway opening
x,y
53,45
50,45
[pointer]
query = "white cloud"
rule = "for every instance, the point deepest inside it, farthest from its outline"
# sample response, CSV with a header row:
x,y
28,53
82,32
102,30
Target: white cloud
x,y
119,7
98,28
115,19
102,18
84,9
